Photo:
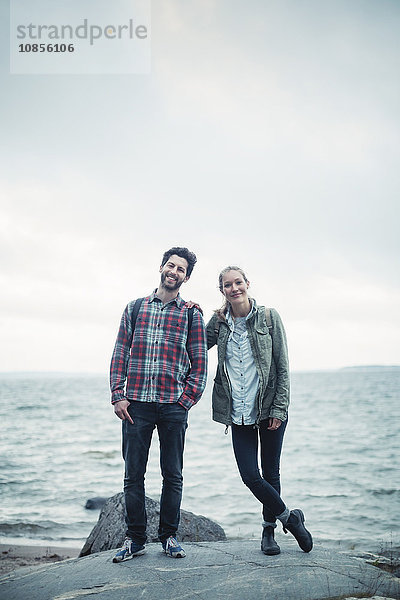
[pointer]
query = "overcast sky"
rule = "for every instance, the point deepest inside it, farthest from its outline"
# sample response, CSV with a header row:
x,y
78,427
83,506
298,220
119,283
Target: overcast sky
x,y
266,135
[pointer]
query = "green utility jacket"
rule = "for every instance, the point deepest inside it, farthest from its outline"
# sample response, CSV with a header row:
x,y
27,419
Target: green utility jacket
x,y
271,359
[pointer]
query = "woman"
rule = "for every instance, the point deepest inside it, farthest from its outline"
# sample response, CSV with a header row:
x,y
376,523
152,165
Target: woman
x,y
251,394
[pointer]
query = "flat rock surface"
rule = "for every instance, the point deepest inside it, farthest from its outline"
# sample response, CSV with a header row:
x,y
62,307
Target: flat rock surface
x,y
234,569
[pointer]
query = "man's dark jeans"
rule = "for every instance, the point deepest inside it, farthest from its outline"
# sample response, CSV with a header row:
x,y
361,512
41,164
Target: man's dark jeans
x,y
266,487
171,423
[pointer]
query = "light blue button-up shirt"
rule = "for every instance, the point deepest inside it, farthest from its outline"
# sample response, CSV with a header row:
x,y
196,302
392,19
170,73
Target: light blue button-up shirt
x,y
242,371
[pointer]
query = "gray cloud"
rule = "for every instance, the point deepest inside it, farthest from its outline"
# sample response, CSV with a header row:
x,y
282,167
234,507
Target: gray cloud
x,y
266,135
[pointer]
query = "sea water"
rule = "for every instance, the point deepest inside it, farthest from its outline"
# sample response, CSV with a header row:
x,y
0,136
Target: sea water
x,y
61,444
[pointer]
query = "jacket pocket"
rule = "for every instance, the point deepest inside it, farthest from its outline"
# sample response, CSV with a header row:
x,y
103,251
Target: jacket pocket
x,y
262,329
263,340
220,400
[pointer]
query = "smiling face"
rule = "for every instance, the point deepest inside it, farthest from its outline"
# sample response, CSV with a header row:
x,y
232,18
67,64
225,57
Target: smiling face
x,y
234,288
174,273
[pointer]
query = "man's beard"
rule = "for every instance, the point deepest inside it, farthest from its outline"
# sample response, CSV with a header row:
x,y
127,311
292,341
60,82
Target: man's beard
x,y
169,286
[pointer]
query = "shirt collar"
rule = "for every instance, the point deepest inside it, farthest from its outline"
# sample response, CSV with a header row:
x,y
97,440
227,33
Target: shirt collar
x,y
229,317
178,300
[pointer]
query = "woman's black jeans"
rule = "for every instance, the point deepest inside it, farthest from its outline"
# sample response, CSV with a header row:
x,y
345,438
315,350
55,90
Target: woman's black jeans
x,y
171,423
266,487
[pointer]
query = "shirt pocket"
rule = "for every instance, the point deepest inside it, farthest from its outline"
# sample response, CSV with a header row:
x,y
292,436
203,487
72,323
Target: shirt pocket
x,y
176,333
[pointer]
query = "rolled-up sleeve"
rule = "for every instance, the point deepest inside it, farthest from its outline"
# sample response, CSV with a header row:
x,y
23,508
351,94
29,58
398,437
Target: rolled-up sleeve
x,y
120,356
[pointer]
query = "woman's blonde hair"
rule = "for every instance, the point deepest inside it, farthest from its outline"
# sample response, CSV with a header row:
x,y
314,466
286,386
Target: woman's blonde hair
x,y
221,312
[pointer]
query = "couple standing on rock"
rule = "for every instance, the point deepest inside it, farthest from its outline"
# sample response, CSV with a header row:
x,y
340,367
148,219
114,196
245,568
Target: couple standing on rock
x,y
159,371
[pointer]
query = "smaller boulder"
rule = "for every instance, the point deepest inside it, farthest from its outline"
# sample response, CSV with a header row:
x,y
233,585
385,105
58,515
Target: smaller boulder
x,y
95,503
109,531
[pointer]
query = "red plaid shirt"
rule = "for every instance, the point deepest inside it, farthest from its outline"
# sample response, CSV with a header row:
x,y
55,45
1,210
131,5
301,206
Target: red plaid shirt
x,y
160,361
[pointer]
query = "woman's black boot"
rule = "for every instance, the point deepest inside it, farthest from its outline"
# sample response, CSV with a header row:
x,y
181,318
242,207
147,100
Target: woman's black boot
x,y
268,543
295,524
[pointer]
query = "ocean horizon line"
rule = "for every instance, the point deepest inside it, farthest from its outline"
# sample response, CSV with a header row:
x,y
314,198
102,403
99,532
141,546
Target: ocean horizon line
x,y
50,373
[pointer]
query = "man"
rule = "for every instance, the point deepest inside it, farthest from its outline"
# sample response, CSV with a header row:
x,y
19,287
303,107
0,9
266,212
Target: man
x,y
158,372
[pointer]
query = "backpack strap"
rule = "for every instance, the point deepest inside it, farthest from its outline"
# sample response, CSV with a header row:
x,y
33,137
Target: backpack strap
x,y
135,312
268,319
216,327
190,318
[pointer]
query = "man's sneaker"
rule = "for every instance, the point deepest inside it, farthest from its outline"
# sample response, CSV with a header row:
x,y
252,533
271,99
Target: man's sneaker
x,y
128,550
173,548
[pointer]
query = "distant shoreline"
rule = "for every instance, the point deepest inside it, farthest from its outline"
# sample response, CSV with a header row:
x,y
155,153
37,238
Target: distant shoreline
x,y
359,368
371,368
14,556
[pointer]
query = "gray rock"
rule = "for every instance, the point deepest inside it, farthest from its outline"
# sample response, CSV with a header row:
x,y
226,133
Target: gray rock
x,y
95,503
109,531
